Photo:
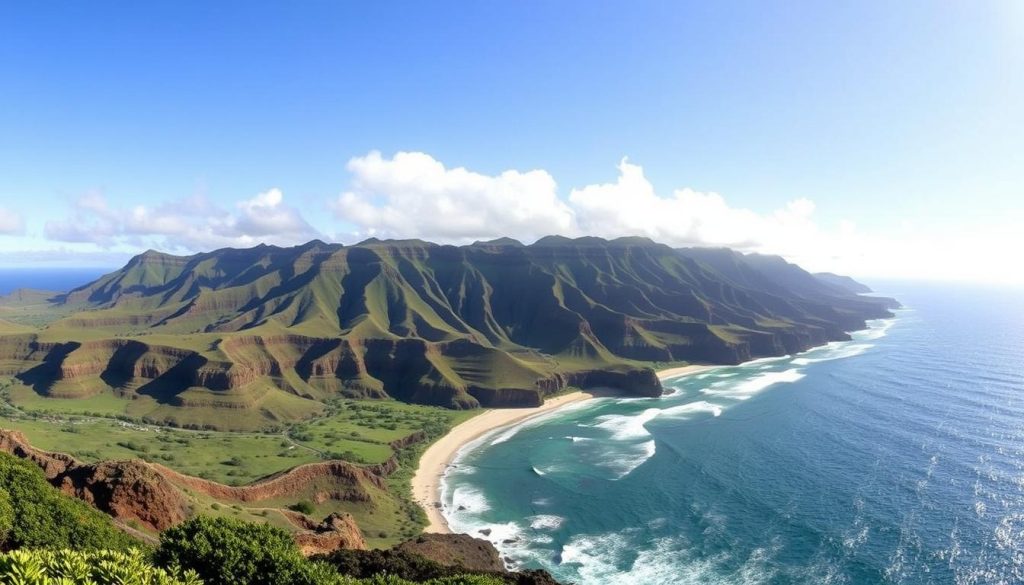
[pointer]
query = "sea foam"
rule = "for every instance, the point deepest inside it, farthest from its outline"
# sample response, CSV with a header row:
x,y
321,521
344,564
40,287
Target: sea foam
x,y
751,386
692,408
546,522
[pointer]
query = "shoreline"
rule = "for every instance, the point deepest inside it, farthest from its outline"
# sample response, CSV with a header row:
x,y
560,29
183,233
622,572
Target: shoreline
x,y
434,463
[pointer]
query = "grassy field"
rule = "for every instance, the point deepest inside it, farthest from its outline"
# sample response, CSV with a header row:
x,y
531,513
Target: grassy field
x,y
230,458
359,431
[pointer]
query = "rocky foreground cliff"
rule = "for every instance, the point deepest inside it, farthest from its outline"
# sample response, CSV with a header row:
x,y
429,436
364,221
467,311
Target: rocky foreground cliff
x,y
273,332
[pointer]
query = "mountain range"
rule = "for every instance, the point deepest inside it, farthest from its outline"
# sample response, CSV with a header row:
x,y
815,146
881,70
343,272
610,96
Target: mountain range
x,y
249,338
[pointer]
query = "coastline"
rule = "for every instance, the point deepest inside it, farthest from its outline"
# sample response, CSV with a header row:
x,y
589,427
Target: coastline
x,y
426,482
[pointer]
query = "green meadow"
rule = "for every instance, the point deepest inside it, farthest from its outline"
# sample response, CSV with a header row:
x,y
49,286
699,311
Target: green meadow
x,y
360,431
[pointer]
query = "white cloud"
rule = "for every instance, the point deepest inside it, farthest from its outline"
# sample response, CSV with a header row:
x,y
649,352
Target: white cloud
x,y
632,206
412,195
190,224
11,223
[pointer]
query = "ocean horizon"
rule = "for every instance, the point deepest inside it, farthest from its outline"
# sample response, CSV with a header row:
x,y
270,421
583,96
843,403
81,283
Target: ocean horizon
x,y
48,279
895,457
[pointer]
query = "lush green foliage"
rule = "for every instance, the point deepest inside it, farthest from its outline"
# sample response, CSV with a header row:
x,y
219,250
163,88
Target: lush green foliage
x,y
230,552
6,515
34,514
68,567
225,551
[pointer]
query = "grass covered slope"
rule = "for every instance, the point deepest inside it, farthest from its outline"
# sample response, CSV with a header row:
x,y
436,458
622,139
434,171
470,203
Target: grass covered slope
x,y
256,337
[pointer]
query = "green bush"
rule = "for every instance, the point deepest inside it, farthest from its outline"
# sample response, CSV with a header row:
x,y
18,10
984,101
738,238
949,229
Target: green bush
x,y
6,515
68,567
34,514
303,507
225,551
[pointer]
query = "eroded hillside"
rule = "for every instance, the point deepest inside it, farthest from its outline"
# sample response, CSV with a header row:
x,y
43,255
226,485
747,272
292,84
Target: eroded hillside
x,y
256,337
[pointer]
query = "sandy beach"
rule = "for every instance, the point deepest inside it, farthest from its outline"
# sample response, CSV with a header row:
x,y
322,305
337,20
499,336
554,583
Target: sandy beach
x,y
683,371
426,483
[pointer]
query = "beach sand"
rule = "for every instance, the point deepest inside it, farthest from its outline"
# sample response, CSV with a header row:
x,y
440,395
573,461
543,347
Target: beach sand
x,y
426,483
683,371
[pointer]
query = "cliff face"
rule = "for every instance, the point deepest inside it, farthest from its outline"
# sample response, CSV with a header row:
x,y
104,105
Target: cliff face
x,y
492,324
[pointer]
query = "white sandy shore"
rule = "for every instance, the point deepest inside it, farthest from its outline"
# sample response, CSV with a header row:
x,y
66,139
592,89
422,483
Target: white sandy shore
x,y
426,483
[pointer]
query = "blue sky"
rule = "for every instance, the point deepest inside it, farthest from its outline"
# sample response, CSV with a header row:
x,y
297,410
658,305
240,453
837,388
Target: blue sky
x,y
875,138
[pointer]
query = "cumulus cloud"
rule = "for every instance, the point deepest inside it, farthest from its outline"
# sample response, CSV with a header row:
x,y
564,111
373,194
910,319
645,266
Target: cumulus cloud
x,y
413,195
11,223
631,206
189,224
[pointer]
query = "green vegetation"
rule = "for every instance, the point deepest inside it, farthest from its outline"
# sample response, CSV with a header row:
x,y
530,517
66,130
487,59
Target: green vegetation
x,y
68,567
33,514
359,431
59,540
352,430
228,552
303,507
230,458
224,552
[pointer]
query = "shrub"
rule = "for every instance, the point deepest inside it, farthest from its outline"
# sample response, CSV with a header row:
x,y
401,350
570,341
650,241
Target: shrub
x,y
226,551
235,461
6,515
303,507
68,567
38,515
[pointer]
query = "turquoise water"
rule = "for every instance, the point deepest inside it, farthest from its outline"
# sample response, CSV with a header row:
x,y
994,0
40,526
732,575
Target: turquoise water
x,y
897,457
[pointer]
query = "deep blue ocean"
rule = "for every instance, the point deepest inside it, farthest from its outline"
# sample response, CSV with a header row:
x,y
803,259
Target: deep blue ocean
x,y
57,280
897,457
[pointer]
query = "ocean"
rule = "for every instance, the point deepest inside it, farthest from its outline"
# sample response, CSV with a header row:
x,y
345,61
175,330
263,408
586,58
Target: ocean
x,y
897,457
57,280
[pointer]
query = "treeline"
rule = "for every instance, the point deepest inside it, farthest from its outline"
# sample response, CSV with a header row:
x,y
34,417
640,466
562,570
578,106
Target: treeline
x,y
48,538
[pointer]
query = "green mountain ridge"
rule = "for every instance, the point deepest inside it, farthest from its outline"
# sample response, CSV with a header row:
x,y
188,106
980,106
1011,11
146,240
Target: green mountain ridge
x,y
265,334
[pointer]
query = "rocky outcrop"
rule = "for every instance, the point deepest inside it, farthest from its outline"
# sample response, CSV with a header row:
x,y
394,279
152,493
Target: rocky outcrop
x,y
633,381
452,550
127,490
336,531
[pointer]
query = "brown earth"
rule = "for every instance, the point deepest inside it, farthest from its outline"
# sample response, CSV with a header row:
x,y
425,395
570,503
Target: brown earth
x,y
455,550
